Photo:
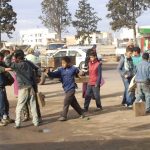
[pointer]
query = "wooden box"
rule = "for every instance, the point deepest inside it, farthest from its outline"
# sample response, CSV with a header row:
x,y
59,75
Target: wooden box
x,y
139,109
82,79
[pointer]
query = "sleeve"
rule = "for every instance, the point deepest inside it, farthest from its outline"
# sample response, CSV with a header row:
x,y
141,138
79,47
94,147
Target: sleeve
x,y
99,75
2,69
55,74
120,66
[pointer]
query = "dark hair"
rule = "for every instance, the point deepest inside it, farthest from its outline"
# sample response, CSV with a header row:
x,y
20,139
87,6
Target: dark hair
x,y
93,54
19,54
137,49
145,56
129,49
66,59
1,55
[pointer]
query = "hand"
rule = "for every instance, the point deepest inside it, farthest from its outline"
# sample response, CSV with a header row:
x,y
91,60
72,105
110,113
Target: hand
x,y
126,76
8,69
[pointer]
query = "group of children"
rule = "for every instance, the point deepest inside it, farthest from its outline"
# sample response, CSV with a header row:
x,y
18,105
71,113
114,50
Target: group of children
x,y
137,65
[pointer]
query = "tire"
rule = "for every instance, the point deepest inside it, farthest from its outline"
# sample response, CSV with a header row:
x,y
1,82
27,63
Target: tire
x,y
81,65
43,79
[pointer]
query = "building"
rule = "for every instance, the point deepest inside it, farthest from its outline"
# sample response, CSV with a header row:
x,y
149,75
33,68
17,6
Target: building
x,y
36,36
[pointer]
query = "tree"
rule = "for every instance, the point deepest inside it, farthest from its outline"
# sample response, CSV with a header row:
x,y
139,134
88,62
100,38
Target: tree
x,y
56,15
124,13
86,21
7,18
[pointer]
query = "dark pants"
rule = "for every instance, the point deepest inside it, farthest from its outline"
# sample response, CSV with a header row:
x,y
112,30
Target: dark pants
x,y
143,93
70,99
4,104
92,90
128,97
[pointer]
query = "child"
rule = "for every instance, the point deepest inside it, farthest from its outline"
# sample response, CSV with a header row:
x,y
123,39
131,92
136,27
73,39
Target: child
x,y
4,104
126,70
143,81
67,75
95,75
26,93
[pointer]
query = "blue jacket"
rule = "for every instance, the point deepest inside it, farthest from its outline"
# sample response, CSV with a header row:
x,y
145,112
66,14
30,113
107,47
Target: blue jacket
x,y
67,76
143,72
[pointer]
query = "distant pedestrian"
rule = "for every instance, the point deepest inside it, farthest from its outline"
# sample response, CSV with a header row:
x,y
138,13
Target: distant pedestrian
x,y
67,75
143,81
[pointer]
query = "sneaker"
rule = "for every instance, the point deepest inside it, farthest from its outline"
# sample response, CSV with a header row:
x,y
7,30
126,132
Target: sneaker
x,y
17,127
82,116
36,125
85,110
99,108
8,120
130,106
2,124
62,119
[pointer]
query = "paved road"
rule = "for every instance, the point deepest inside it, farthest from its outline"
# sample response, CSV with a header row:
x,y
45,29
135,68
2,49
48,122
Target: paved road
x,y
115,128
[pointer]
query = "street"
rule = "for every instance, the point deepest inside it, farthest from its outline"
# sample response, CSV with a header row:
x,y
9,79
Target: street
x,y
114,128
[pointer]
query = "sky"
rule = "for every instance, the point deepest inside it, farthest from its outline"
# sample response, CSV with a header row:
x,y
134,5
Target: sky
x,y
28,12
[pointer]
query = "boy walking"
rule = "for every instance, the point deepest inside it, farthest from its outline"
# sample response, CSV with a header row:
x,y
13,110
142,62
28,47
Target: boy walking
x,y
25,75
67,75
93,88
143,81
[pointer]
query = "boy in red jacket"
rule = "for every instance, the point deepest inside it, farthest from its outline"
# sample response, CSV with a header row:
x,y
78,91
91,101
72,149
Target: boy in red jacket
x,y
93,88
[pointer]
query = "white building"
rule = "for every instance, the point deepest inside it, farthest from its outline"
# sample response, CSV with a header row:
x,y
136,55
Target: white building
x,y
36,36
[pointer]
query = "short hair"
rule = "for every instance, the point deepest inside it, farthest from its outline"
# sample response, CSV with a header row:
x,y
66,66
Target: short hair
x,y
137,49
93,54
1,55
66,59
145,56
19,54
129,49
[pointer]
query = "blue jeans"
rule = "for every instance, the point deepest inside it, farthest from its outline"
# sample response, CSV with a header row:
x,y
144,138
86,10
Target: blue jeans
x,y
128,97
4,104
143,93
92,90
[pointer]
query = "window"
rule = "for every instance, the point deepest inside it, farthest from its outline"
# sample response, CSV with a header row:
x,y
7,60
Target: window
x,y
40,40
74,53
61,54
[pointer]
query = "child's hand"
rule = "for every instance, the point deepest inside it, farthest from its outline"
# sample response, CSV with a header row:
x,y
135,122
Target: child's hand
x,y
8,69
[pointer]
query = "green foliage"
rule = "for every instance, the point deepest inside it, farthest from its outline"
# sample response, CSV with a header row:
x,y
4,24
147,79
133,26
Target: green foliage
x,y
7,18
124,13
56,15
86,21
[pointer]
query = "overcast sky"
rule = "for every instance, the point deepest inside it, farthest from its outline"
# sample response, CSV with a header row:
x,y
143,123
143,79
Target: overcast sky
x,y
28,12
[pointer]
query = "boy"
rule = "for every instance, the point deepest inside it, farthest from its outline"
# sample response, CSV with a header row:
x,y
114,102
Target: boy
x,y
67,75
126,70
25,78
137,57
95,75
143,81
4,104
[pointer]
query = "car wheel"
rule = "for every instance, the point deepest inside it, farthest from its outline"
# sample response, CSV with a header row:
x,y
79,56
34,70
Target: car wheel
x,y
82,65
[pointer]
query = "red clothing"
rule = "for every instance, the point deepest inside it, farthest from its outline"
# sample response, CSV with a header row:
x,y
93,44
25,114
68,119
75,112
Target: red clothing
x,y
93,72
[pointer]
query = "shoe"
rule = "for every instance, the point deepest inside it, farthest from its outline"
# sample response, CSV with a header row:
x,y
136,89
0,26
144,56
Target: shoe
x,y
62,119
82,116
8,120
25,119
130,106
36,125
2,124
99,108
17,127
40,120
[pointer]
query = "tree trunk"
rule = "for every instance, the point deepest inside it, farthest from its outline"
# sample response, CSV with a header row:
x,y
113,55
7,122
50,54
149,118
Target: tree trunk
x,y
59,35
134,32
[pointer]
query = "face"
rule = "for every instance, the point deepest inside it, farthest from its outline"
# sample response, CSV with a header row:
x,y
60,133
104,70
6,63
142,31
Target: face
x,y
92,58
64,64
135,53
129,54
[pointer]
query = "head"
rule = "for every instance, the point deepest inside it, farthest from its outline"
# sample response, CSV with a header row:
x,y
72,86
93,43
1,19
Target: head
x,y
93,57
19,55
66,62
136,51
30,51
129,52
145,56
94,47
1,57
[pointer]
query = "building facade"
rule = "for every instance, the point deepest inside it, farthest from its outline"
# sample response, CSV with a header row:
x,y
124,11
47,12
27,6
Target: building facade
x,y
38,36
